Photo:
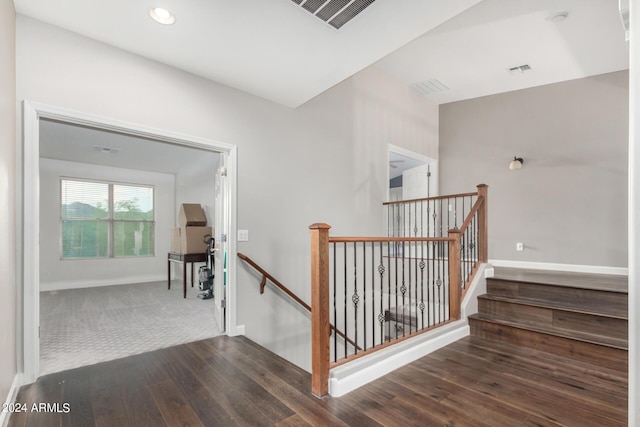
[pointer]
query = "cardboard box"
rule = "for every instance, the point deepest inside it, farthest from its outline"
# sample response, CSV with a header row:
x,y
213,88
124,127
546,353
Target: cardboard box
x,y
192,239
191,214
175,240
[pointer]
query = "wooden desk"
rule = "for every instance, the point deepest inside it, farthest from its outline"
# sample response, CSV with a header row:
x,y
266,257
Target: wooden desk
x,y
184,259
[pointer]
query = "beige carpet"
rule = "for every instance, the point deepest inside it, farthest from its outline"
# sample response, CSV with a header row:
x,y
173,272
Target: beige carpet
x,y
80,327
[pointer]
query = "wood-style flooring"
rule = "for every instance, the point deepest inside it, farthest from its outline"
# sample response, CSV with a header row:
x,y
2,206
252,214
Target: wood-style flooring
x,y
227,381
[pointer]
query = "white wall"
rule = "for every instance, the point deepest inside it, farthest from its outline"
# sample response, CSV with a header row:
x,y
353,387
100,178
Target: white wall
x,y
8,297
568,203
56,273
323,162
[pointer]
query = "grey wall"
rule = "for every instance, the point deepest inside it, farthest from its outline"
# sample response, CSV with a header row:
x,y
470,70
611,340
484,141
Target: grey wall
x,y
568,204
8,345
335,147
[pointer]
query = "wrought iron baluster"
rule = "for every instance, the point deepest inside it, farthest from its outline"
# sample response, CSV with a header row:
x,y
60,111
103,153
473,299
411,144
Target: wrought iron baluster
x,y
355,299
389,246
346,323
396,283
421,218
373,294
415,219
439,282
455,213
403,288
416,267
335,301
364,295
422,266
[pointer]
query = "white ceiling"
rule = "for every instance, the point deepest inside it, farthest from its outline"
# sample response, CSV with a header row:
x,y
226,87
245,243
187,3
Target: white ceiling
x,y
270,48
63,141
471,53
277,50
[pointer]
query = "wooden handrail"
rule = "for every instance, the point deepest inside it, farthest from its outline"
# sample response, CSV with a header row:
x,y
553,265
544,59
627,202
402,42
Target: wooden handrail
x,y
283,288
387,239
424,199
273,280
476,206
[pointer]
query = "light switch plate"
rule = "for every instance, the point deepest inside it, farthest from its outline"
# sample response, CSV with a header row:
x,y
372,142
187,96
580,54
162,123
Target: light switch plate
x,y
243,235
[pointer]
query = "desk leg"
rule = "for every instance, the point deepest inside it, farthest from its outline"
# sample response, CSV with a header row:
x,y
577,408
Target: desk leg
x,y
192,275
168,273
184,279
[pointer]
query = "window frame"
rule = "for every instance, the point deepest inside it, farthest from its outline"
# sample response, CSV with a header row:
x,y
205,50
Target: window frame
x,y
110,220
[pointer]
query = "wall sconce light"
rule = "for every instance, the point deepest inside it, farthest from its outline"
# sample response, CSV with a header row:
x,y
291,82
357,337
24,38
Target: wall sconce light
x,y
516,163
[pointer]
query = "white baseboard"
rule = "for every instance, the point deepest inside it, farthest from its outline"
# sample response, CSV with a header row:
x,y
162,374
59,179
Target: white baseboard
x,y
353,375
239,330
77,284
575,268
11,397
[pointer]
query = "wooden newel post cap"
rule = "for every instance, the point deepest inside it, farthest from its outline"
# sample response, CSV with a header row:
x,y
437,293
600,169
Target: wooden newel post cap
x,y
319,226
481,185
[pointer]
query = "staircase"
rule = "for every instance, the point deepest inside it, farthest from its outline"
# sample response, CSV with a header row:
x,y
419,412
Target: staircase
x,y
576,315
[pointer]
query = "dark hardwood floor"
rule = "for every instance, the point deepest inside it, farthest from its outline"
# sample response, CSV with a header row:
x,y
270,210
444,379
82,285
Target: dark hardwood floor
x,y
232,381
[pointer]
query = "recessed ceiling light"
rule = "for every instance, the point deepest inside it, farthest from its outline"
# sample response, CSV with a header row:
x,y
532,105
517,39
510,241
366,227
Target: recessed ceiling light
x,y
558,17
162,16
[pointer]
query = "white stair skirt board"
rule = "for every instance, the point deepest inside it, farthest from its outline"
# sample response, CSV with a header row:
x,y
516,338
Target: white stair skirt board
x,y
574,268
350,376
11,398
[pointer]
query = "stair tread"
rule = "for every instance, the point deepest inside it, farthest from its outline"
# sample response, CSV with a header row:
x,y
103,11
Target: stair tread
x,y
601,282
575,307
579,336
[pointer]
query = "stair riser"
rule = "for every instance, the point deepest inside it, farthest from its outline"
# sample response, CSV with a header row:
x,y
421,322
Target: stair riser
x,y
551,317
581,351
614,301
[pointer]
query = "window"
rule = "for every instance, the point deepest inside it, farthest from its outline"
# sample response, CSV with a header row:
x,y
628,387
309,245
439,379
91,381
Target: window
x,y
105,220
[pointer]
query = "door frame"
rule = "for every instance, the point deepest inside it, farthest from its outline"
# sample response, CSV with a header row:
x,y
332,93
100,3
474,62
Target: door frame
x,y
32,112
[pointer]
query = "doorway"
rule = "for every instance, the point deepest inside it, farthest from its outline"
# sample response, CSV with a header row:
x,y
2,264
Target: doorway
x,y
224,225
411,175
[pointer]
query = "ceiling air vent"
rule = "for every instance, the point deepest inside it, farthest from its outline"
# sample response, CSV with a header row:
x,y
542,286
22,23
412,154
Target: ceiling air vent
x,y
520,68
334,12
427,87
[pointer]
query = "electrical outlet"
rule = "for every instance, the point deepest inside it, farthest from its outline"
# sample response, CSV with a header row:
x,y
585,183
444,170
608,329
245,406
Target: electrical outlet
x,y
519,246
243,235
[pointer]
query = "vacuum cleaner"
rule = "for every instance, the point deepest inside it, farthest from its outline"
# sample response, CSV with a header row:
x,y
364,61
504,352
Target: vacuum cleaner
x,y
207,271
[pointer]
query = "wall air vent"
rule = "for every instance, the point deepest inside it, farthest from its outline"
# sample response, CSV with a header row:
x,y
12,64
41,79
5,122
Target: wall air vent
x,y
427,87
105,150
334,12
520,68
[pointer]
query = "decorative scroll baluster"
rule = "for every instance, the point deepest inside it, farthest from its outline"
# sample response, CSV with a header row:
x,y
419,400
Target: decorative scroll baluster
x,y
381,270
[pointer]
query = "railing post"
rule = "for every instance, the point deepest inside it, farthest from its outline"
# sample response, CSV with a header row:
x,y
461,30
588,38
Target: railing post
x,y
483,225
455,290
320,332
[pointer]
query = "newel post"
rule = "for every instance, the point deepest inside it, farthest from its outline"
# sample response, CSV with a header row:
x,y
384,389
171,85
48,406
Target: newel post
x,y
455,285
483,225
320,333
